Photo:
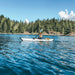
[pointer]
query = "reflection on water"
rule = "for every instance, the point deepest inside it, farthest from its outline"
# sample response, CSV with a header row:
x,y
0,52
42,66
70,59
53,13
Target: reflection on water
x,y
37,58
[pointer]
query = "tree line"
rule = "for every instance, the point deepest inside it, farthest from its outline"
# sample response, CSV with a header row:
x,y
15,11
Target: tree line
x,y
12,26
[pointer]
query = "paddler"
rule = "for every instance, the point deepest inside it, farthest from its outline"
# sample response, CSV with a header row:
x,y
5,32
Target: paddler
x,y
40,34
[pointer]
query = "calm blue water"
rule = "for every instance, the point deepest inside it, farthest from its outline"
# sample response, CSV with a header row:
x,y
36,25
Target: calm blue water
x,y
37,58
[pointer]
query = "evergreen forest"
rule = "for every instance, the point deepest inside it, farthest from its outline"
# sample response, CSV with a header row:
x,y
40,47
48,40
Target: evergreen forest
x,y
12,26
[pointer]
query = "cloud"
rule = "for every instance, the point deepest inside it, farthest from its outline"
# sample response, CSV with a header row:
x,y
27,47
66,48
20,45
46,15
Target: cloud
x,y
26,21
65,15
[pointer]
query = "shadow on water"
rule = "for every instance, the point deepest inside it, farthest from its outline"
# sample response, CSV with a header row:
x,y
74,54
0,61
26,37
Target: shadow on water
x,y
37,58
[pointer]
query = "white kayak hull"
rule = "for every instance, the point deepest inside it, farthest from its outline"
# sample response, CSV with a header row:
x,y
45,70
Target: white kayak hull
x,y
30,39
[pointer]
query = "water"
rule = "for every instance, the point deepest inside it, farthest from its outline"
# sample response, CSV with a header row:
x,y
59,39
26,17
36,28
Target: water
x,y
37,58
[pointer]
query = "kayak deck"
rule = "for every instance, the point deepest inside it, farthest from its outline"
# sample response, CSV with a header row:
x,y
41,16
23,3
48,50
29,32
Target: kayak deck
x,y
30,39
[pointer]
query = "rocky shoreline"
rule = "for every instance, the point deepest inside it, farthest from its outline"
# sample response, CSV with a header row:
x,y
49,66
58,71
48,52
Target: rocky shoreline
x,y
71,34
44,33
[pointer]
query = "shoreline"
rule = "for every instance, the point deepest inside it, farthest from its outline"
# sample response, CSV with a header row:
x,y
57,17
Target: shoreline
x,y
43,34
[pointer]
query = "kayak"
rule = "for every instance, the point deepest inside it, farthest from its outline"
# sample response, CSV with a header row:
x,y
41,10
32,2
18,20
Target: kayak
x,y
35,39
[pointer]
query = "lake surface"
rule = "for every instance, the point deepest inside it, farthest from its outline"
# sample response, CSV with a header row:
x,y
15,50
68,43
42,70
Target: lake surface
x,y
37,58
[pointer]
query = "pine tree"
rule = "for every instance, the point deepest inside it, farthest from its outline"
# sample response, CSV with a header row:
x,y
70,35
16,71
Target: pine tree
x,y
4,27
63,30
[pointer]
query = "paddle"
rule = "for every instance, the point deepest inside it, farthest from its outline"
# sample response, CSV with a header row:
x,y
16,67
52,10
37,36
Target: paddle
x,y
41,30
35,36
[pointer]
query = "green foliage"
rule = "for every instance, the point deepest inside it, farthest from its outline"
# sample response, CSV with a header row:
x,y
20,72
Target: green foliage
x,y
4,27
62,26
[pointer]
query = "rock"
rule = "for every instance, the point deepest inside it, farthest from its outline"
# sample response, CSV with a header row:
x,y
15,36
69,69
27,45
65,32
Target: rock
x,y
71,34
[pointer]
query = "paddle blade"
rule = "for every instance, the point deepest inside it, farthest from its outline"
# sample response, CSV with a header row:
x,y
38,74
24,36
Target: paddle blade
x,y
41,30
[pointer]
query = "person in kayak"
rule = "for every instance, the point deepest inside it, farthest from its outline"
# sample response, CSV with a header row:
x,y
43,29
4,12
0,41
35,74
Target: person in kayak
x,y
40,34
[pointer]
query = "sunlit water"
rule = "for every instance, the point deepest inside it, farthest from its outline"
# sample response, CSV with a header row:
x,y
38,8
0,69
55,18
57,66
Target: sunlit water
x,y
37,58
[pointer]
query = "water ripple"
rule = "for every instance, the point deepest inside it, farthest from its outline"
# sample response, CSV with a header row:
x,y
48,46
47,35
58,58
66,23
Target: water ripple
x,y
37,58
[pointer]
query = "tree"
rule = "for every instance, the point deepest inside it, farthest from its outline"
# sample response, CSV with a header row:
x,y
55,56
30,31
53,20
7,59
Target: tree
x,y
0,27
8,25
74,28
63,30
4,27
20,28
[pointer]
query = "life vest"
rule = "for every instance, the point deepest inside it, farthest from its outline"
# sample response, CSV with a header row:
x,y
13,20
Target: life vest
x,y
40,34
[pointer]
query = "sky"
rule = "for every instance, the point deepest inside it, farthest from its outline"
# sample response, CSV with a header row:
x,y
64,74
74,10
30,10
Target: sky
x,y
37,9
